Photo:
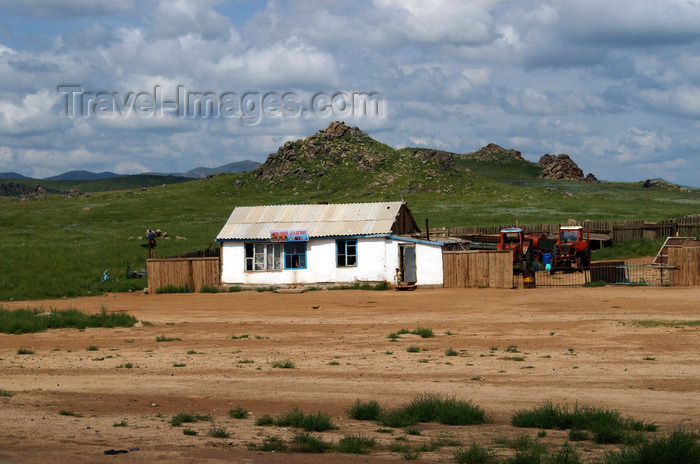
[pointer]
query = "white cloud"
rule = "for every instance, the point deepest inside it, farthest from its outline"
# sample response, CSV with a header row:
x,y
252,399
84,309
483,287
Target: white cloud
x,y
614,84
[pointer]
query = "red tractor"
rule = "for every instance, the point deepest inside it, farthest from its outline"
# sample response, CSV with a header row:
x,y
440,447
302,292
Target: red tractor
x,y
573,248
525,247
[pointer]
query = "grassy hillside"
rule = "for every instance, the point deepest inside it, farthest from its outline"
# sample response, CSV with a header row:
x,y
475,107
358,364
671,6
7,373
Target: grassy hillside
x,y
59,247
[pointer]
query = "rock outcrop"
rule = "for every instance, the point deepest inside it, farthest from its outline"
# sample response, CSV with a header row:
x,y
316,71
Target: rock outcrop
x,y
562,167
345,150
495,153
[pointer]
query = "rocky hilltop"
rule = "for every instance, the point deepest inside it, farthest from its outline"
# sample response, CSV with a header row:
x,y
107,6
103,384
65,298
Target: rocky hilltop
x,y
562,167
348,155
344,155
493,153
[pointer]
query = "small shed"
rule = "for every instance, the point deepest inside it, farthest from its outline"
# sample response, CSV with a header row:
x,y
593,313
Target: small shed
x,y
326,244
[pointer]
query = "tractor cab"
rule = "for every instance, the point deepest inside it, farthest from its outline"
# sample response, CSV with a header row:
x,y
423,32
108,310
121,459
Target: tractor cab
x,y
573,247
511,239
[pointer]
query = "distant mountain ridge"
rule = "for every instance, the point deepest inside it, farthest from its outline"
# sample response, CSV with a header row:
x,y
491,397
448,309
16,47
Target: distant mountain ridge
x,y
12,175
196,173
83,175
231,168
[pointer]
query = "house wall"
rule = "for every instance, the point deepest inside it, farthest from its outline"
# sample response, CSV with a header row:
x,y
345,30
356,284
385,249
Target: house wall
x,y
377,259
372,258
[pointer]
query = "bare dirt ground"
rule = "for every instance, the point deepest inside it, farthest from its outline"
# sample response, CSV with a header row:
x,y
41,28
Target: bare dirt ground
x,y
578,344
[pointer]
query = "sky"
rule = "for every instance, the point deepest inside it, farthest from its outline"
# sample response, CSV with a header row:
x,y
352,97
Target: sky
x,y
164,86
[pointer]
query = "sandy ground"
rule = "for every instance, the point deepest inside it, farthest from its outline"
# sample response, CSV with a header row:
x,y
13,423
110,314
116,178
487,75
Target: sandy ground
x,y
579,344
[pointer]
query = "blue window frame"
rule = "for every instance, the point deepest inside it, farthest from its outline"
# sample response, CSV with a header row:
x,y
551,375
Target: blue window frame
x,y
346,252
295,255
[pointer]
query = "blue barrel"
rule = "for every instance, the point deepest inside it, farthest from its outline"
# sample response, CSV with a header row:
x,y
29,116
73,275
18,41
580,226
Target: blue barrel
x,y
546,258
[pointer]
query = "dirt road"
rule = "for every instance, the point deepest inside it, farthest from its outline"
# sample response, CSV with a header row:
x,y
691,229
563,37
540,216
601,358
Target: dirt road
x,y
566,345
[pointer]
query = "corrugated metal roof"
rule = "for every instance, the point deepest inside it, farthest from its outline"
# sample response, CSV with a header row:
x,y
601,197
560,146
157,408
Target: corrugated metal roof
x,y
255,222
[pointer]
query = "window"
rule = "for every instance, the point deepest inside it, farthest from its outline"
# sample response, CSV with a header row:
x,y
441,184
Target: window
x,y
295,255
263,256
346,252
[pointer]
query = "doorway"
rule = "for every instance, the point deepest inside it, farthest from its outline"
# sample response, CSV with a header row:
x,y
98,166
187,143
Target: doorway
x,y
407,263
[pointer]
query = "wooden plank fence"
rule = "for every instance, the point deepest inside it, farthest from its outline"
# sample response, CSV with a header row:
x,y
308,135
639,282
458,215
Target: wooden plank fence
x,y
687,263
194,273
477,269
619,231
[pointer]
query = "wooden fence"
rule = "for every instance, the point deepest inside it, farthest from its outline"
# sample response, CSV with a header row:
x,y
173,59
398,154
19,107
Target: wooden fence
x,y
194,273
687,263
619,231
477,269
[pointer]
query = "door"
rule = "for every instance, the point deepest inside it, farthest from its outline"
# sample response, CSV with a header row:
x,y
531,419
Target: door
x,y
408,263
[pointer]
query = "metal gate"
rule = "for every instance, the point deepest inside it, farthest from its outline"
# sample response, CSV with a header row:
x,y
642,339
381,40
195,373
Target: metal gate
x,y
609,273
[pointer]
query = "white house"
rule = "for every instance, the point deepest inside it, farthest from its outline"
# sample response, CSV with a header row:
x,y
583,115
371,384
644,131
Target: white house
x,y
326,244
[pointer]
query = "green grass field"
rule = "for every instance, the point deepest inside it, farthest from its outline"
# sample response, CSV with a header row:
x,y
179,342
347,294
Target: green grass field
x,y
58,247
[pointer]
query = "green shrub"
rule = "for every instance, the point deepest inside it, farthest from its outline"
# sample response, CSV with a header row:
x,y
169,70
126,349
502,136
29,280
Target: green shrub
x,y
451,352
369,410
606,425
424,332
413,349
25,351
273,444
305,442
317,422
567,454
123,423
355,444
218,432
65,412
286,364
163,338
189,417
189,431
92,348
265,420
238,413
429,407
475,454
579,435
678,448
5,393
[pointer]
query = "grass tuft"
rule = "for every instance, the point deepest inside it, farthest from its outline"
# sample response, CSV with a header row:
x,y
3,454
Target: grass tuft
x,y
312,422
305,442
475,454
355,444
286,364
606,425
451,352
238,413
188,417
21,321
434,408
424,332
218,432
65,412
680,447
369,410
